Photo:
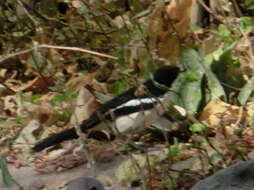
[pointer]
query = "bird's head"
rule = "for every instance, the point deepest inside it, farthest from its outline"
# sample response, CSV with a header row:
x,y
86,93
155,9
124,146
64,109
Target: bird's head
x,y
166,75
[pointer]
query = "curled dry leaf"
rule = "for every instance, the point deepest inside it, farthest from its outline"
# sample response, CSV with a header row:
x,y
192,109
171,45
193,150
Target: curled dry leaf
x,y
180,110
220,114
58,160
100,87
71,155
13,84
37,85
75,83
26,136
10,104
45,112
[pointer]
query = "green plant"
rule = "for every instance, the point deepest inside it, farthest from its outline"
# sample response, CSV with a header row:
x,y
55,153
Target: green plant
x,y
6,176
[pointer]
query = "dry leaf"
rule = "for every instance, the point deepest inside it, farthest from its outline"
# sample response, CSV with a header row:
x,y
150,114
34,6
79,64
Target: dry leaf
x,y
38,85
220,114
77,4
44,112
26,135
10,104
169,24
85,106
75,83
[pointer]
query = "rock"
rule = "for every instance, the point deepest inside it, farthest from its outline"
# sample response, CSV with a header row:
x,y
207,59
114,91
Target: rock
x,y
85,183
239,176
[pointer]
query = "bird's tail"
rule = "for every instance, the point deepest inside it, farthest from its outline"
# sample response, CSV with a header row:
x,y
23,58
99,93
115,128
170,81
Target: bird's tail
x,y
55,139
67,134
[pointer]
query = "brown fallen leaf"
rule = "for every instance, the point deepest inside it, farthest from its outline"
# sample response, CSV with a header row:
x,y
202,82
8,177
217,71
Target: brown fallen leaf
x,y
37,85
75,83
169,24
5,91
86,104
26,136
43,112
10,104
220,114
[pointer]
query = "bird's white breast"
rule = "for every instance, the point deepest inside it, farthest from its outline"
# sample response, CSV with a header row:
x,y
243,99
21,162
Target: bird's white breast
x,y
126,123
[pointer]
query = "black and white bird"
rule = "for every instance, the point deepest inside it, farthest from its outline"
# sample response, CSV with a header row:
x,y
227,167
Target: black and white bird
x,y
123,109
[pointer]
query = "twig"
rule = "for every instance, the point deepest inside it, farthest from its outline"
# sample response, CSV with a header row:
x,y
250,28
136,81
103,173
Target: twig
x,y
27,13
77,49
95,19
210,11
250,49
83,139
237,9
240,116
3,58
230,86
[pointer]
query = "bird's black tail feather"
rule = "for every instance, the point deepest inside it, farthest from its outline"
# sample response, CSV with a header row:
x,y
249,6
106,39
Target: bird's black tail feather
x,y
67,134
55,139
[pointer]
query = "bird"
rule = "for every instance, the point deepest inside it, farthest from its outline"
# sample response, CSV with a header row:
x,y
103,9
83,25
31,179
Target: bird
x,y
84,183
121,108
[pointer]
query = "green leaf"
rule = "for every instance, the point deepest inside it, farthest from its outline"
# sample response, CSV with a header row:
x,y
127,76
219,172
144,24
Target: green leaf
x,y
18,34
65,114
65,96
246,24
35,98
136,5
119,86
188,84
191,60
245,92
7,178
192,94
197,127
186,93
248,4
226,35
174,151
220,60
223,31
83,10
215,90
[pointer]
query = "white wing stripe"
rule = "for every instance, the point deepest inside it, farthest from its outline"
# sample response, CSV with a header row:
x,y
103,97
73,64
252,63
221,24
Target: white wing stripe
x,y
137,102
